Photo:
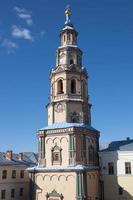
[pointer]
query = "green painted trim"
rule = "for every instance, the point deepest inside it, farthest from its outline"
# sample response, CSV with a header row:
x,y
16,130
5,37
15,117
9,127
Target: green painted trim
x,y
70,142
44,148
81,187
77,186
40,147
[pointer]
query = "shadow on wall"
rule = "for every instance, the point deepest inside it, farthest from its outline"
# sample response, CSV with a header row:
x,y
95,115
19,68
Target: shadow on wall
x,y
123,194
111,190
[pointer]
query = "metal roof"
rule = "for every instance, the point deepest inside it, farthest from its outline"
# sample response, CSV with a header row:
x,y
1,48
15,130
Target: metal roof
x,y
123,145
67,125
63,168
29,159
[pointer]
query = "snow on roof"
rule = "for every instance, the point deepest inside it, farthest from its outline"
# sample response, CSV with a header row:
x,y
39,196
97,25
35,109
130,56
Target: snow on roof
x,y
67,125
63,168
119,145
29,159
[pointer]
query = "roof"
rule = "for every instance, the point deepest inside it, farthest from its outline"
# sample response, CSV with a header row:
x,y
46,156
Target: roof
x,y
63,168
123,145
67,125
29,159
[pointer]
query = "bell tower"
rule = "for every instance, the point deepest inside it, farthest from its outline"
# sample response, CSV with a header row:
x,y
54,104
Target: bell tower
x,y
69,87
68,167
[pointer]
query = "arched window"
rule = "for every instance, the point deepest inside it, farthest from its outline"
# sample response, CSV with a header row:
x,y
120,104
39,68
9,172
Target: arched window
x,y
56,155
91,153
60,87
73,86
71,62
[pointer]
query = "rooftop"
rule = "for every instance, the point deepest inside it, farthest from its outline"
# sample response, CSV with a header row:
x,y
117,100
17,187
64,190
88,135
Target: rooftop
x,y
63,168
28,159
67,125
122,145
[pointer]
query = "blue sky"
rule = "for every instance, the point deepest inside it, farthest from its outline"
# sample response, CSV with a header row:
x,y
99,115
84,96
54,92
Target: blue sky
x,y
28,39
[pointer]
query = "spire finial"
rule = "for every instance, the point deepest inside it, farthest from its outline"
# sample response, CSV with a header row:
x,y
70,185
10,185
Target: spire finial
x,y
68,14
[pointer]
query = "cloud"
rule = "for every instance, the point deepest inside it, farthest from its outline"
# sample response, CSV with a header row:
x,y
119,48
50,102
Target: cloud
x,y
9,45
25,15
23,33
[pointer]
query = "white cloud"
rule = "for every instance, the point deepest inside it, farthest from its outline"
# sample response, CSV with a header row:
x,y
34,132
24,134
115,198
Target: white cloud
x,y
19,32
11,46
25,15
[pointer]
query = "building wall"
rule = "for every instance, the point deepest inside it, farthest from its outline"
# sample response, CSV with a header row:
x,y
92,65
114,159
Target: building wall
x,y
110,187
125,180
105,158
124,156
93,185
113,183
63,182
16,183
127,184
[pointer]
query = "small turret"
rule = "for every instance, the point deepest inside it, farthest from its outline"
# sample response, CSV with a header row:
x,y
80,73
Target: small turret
x,y
68,34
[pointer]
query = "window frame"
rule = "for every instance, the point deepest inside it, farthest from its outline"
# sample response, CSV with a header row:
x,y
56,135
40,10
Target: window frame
x,y
60,87
56,150
3,194
14,174
71,61
91,154
73,86
22,174
111,168
4,174
75,117
12,193
128,170
21,192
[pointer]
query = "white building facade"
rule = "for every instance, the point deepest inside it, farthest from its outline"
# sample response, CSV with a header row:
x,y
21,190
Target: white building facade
x,y
117,170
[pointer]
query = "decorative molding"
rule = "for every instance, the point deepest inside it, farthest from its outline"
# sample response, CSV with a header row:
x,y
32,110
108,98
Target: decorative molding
x,y
54,194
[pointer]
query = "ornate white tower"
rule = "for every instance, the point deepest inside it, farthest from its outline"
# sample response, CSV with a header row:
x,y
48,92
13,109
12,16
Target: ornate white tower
x,y
69,87
68,166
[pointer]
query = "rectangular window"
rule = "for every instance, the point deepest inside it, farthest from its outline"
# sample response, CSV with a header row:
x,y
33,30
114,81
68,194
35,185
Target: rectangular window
x,y
13,173
3,194
127,168
4,174
12,193
111,168
22,174
21,192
